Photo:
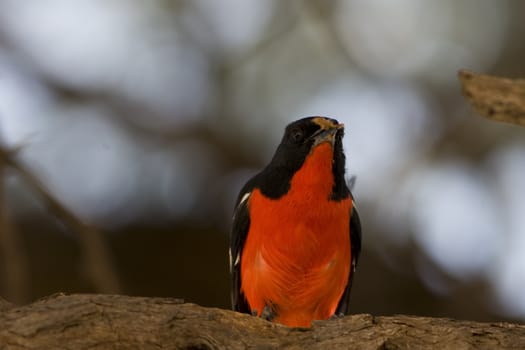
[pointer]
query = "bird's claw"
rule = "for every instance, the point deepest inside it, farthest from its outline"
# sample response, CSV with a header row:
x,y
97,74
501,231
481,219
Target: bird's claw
x,y
336,316
268,314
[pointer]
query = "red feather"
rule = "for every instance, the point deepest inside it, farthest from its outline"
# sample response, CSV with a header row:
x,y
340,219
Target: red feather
x,y
297,251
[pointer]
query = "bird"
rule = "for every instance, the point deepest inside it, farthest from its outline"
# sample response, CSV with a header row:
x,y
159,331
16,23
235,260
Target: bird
x,y
296,234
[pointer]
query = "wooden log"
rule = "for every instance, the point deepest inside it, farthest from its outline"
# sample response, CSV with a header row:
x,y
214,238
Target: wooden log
x,y
121,322
496,98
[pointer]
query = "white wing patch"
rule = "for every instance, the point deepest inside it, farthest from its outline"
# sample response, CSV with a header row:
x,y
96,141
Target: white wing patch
x,y
245,197
238,257
237,260
230,256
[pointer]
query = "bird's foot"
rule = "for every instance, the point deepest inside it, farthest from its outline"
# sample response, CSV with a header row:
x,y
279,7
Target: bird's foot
x,y
336,316
268,313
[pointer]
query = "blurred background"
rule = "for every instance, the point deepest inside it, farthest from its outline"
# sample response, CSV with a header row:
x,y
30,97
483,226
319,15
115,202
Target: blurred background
x,y
128,128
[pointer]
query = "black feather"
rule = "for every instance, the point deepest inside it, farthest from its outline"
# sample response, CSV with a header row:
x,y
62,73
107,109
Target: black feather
x,y
355,241
241,224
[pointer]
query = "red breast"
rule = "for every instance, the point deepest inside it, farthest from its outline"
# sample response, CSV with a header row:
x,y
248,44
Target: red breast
x,y
297,251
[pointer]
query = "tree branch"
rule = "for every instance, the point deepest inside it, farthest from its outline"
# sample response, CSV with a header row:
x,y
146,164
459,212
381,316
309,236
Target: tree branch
x,y
13,260
96,254
122,322
495,98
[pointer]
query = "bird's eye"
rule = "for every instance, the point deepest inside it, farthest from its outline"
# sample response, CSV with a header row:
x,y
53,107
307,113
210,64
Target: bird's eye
x,y
297,135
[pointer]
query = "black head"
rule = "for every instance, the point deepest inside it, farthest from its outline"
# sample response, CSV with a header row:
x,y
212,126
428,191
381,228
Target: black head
x,y
298,140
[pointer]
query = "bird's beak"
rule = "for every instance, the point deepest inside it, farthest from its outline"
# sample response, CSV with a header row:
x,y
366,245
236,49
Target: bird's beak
x,y
328,130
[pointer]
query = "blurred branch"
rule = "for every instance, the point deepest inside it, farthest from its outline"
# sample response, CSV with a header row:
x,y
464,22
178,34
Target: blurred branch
x,y
332,37
113,321
276,31
11,252
495,98
282,22
97,257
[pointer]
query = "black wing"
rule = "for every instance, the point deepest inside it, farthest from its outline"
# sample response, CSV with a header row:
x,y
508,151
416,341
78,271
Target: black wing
x,y
241,224
355,241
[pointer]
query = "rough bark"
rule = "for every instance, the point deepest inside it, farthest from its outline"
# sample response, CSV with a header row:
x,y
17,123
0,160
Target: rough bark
x,y
122,322
495,98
